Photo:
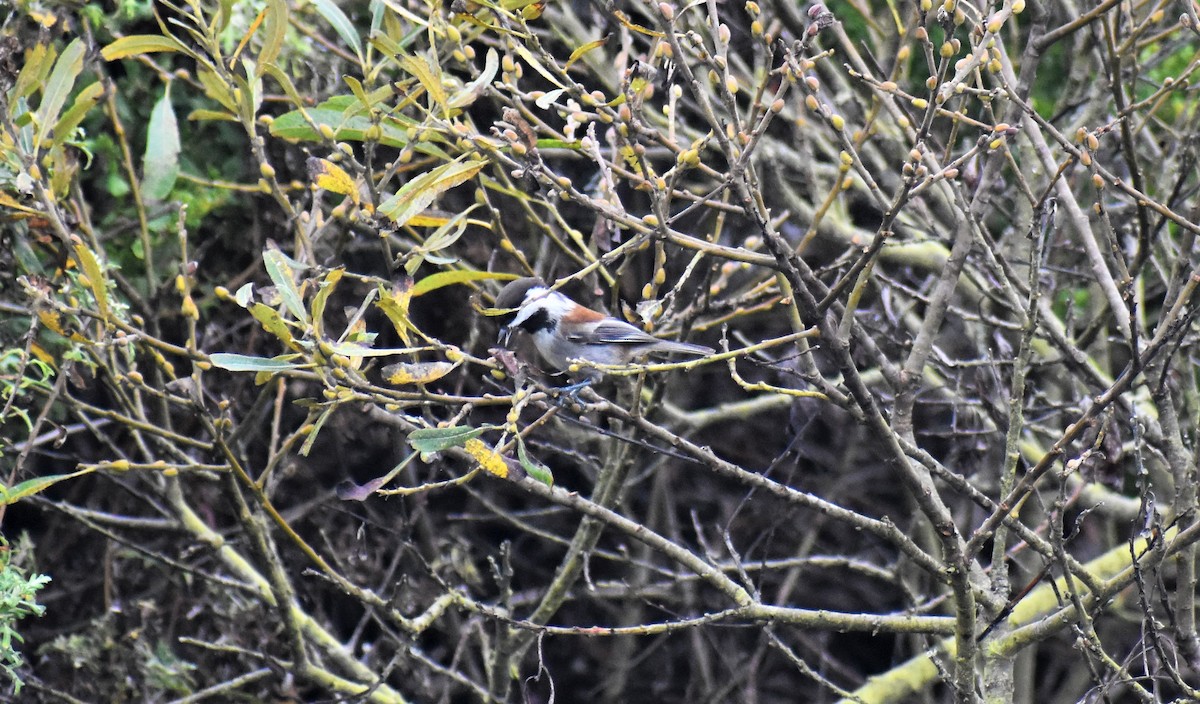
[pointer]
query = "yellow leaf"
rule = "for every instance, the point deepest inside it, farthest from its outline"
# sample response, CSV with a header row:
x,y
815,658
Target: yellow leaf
x,y
427,221
41,353
333,178
394,305
404,373
427,74
623,19
578,53
52,320
94,274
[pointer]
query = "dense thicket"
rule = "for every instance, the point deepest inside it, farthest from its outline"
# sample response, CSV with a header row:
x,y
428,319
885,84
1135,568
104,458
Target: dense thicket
x,y
257,430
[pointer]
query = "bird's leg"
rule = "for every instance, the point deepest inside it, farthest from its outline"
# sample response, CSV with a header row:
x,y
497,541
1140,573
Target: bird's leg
x,y
571,391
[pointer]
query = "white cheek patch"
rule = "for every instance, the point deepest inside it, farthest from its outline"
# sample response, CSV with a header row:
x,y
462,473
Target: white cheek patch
x,y
554,303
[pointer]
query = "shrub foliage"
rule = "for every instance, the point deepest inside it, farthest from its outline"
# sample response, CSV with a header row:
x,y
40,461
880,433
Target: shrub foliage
x,y
257,427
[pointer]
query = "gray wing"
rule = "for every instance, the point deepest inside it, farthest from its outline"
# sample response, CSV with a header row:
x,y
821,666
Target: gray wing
x,y
614,332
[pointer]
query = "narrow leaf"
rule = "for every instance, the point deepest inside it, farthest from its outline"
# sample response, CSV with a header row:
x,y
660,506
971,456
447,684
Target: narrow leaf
x,y
430,78
280,271
316,430
349,491
217,89
37,485
438,439
341,24
95,276
417,194
139,44
394,305
532,467
274,28
58,87
354,349
329,283
39,61
210,116
292,125
405,373
449,278
578,53
245,363
530,59
84,102
160,164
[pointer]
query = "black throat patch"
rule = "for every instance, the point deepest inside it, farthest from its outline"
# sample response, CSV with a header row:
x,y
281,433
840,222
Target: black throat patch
x,y
540,320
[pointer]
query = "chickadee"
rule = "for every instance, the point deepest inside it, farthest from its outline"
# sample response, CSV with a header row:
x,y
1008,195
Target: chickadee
x,y
563,330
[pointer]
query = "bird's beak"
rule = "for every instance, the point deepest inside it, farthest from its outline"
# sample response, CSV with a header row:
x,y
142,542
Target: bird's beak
x,y
505,334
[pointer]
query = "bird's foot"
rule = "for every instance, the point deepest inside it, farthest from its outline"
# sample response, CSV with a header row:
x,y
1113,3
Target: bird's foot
x,y
570,392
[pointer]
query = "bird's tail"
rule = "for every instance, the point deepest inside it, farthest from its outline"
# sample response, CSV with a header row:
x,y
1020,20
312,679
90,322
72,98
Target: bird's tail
x,y
667,347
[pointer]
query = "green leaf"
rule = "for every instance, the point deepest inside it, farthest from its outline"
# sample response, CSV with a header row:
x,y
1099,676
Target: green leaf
x,y
438,439
312,435
160,164
58,87
341,24
356,87
246,363
329,283
249,92
292,125
280,270
416,195
84,102
533,468
37,485
210,116
449,278
140,44
275,28
354,349
216,89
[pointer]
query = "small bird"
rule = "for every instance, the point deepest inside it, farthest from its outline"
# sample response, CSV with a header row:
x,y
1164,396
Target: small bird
x,y
562,330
